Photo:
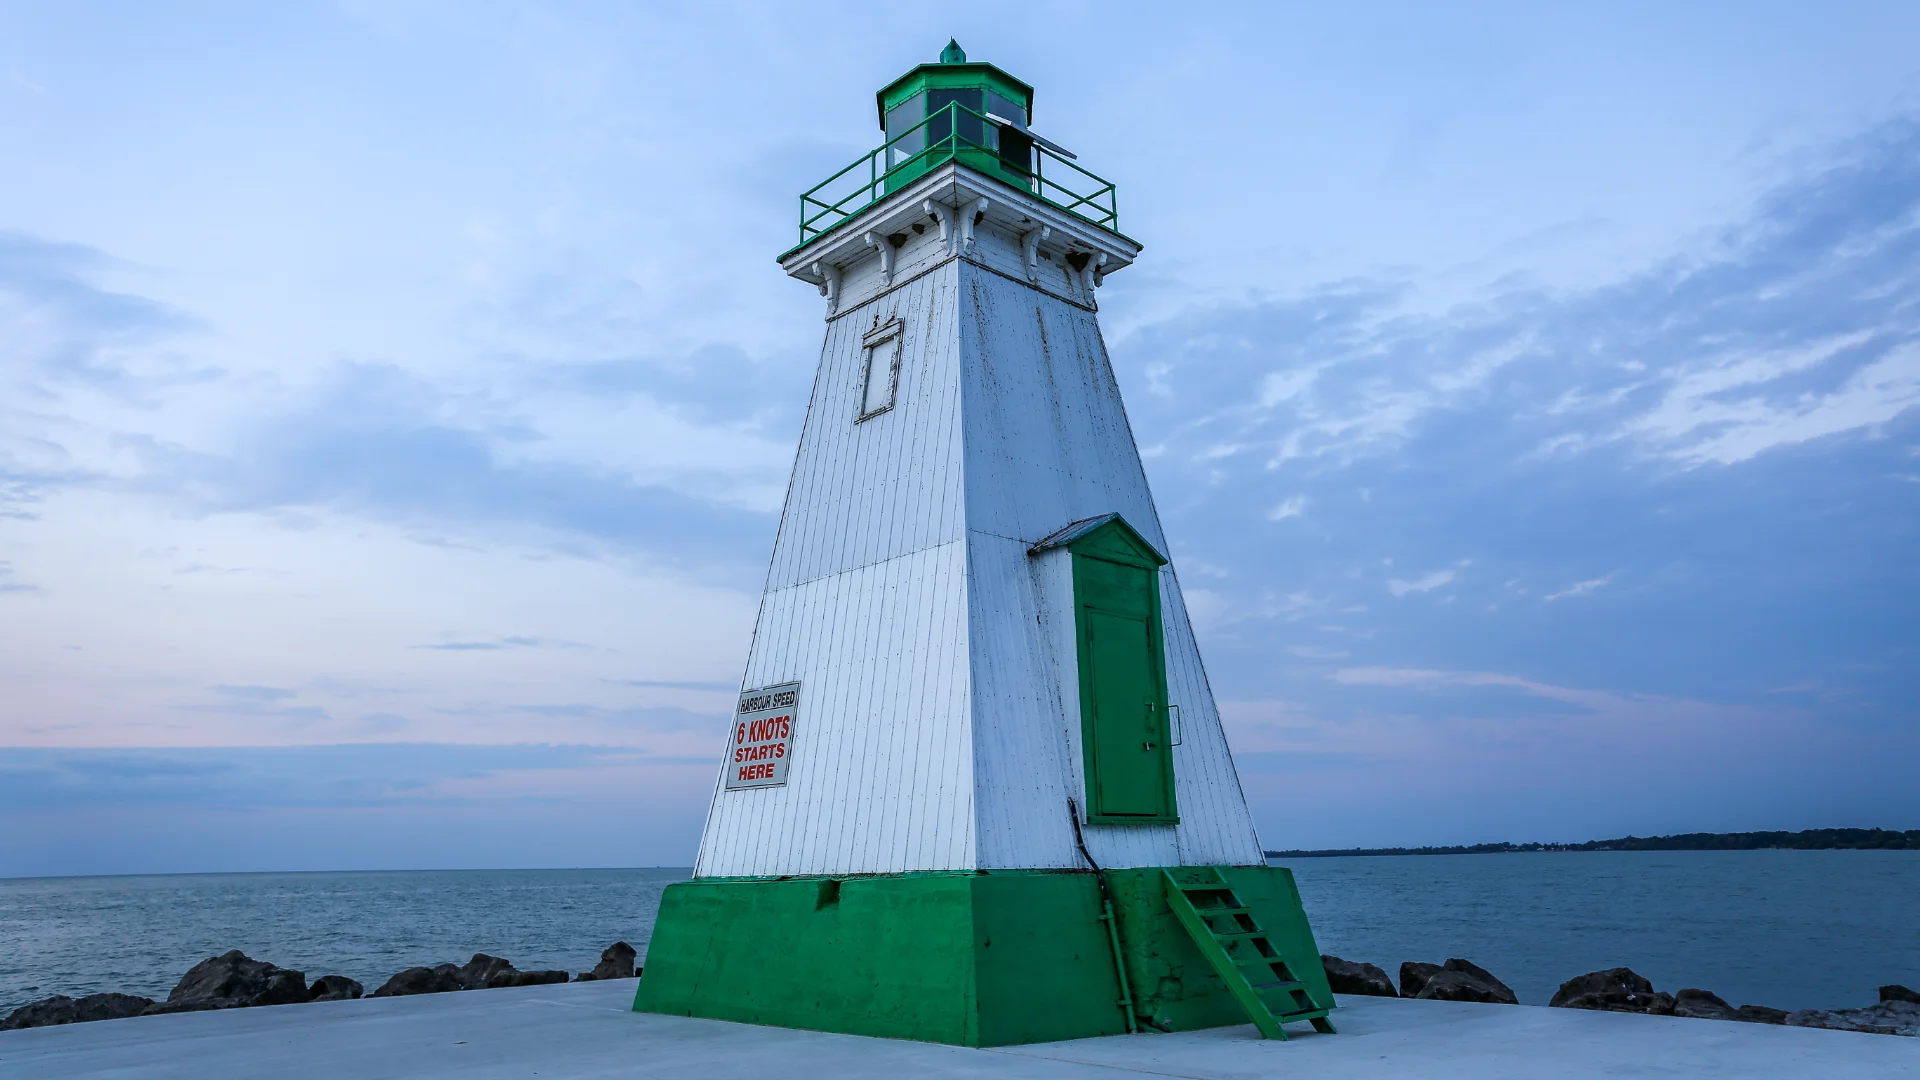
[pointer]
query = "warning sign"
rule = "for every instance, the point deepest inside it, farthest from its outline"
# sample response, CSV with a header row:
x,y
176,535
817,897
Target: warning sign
x,y
762,740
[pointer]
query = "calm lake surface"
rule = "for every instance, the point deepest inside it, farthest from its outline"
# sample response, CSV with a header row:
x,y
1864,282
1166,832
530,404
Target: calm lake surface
x,y
1791,929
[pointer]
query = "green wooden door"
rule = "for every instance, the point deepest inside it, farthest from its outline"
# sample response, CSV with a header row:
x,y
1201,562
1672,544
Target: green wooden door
x,y
1123,684
1128,747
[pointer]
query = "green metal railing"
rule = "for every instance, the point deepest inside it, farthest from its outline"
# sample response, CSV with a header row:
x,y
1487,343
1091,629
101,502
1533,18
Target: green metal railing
x,y
957,133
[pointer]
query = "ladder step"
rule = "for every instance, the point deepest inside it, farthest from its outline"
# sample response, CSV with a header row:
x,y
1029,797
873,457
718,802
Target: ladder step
x,y
1239,971
1262,969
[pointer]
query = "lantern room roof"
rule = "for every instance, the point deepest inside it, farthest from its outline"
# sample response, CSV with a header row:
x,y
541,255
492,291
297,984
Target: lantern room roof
x,y
952,70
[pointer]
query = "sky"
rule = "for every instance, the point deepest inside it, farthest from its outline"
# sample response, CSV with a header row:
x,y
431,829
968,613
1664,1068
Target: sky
x,y
397,398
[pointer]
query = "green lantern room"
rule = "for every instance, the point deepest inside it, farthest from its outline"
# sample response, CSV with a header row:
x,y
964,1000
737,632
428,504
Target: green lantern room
x,y
956,109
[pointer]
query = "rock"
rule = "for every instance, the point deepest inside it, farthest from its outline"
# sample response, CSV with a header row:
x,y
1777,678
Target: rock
x,y
1896,992
1462,980
1703,1005
478,972
1760,1014
233,980
1887,1018
1613,990
161,1008
334,988
439,979
1414,976
483,972
615,963
511,977
1470,968
1347,977
61,1009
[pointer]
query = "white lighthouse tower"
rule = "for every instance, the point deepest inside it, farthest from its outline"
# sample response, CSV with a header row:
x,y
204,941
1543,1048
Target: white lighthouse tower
x,y
976,790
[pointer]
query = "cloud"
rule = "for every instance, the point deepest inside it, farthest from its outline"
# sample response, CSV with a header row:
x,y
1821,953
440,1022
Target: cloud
x,y
1317,652
1580,588
72,344
1426,680
655,720
676,685
63,327
547,436
1292,506
516,642
255,778
1424,583
1700,425
1789,327
8,582
380,443
261,694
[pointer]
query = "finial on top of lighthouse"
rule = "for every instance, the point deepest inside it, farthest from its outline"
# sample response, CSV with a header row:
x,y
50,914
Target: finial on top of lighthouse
x,y
953,53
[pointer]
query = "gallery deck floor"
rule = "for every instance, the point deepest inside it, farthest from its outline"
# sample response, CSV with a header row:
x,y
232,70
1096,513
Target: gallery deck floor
x,y
584,1030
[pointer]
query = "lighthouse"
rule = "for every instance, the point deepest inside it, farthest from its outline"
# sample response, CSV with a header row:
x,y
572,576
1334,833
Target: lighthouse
x,y
975,788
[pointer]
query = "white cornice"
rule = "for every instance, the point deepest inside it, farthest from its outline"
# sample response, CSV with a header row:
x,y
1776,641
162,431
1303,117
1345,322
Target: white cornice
x,y
952,186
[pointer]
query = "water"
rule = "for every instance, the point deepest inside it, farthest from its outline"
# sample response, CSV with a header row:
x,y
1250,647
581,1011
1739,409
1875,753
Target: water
x,y
1791,929
140,934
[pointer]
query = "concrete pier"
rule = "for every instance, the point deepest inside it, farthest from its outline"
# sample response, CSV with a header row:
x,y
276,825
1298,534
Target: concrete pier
x,y
584,1030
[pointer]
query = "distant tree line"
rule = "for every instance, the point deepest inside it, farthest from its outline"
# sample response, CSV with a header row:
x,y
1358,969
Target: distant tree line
x,y
1804,840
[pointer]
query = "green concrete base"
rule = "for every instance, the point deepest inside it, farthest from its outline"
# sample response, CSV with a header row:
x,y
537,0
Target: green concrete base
x,y
974,959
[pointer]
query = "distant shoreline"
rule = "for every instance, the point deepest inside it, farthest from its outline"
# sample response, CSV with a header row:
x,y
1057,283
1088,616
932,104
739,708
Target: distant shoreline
x,y
1804,840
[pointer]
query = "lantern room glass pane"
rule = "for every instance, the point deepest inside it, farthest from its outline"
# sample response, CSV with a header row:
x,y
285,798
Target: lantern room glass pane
x,y
972,128
1006,109
900,119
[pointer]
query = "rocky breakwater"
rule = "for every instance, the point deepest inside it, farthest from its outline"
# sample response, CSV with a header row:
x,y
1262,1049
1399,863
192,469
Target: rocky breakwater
x,y
1455,980
1617,990
1623,990
483,972
615,963
1898,1013
234,980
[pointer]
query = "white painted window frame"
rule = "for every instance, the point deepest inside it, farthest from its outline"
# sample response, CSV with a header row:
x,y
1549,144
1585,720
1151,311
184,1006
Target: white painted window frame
x,y
884,340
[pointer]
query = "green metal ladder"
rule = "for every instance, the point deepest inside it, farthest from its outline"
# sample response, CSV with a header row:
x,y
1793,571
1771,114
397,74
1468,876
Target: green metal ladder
x,y
1244,956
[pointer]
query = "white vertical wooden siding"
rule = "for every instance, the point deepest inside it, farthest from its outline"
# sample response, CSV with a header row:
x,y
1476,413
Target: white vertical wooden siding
x,y
1047,443
866,607
889,485
881,778
939,721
